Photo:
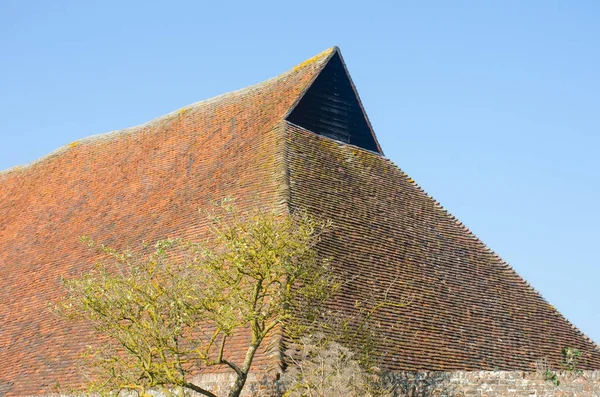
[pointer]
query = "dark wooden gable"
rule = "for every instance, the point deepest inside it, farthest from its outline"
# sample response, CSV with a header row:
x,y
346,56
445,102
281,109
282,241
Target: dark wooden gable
x,y
330,107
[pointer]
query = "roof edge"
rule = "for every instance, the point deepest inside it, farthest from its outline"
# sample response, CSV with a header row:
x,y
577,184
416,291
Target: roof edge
x,y
362,107
330,52
490,251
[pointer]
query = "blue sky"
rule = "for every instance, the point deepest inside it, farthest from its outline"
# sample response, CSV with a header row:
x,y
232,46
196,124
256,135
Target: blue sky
x,y
492,107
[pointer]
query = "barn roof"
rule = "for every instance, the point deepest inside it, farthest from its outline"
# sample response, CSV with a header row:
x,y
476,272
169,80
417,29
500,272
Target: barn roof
x,y
301,139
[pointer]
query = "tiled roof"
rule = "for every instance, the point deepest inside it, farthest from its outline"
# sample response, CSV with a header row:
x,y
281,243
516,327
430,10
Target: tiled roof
x,y
122,188
470,310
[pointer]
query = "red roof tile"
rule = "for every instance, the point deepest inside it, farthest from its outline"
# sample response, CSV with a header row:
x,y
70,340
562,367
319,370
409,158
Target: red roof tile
x,y
470,309
139,184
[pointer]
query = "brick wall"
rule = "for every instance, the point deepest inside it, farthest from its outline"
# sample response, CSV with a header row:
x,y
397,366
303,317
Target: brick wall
x,y
444,384
492,384
434,384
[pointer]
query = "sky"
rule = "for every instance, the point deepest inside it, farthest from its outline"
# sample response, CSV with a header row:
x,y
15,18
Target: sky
x,y
492,107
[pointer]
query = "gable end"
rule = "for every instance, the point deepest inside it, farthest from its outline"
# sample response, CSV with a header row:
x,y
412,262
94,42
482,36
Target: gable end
x,y
331,107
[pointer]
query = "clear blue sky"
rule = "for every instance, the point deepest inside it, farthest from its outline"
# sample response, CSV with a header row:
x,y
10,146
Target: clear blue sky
x,y
492,107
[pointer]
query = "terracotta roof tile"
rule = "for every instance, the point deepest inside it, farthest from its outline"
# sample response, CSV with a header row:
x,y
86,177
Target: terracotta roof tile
x,y
470,309
140,184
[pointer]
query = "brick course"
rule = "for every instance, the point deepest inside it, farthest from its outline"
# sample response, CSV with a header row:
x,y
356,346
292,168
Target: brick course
x,y
493,384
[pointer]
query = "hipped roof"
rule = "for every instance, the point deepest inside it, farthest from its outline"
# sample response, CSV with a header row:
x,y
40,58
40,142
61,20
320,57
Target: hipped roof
x,y
469,309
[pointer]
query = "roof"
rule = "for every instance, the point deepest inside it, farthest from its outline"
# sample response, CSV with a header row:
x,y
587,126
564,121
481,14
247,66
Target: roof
x,y
468,310
292,141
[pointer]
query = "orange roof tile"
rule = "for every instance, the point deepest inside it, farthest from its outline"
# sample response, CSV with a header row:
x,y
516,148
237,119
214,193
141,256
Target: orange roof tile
x,y
470,309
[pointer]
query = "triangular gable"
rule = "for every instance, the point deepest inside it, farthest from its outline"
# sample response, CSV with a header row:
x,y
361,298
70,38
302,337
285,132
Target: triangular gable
x,y
331,107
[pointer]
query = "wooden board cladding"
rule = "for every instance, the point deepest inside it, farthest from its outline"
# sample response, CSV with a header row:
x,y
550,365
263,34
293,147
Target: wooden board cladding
x,y
331,108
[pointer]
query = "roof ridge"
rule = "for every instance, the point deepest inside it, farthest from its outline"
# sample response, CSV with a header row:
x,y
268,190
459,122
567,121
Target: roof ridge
x,y
323,55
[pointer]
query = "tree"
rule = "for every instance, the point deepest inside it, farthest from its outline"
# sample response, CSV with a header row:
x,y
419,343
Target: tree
x,y
322,367
170,312
338,353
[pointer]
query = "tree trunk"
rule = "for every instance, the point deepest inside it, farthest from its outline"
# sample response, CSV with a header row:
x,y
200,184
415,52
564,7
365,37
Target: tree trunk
x,y
240,381
238,386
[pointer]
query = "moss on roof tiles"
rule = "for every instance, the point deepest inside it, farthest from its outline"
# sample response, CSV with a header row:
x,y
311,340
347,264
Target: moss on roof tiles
x,y
470,310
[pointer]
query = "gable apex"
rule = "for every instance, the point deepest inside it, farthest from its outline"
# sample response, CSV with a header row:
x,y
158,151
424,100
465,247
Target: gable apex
x,y
331,107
